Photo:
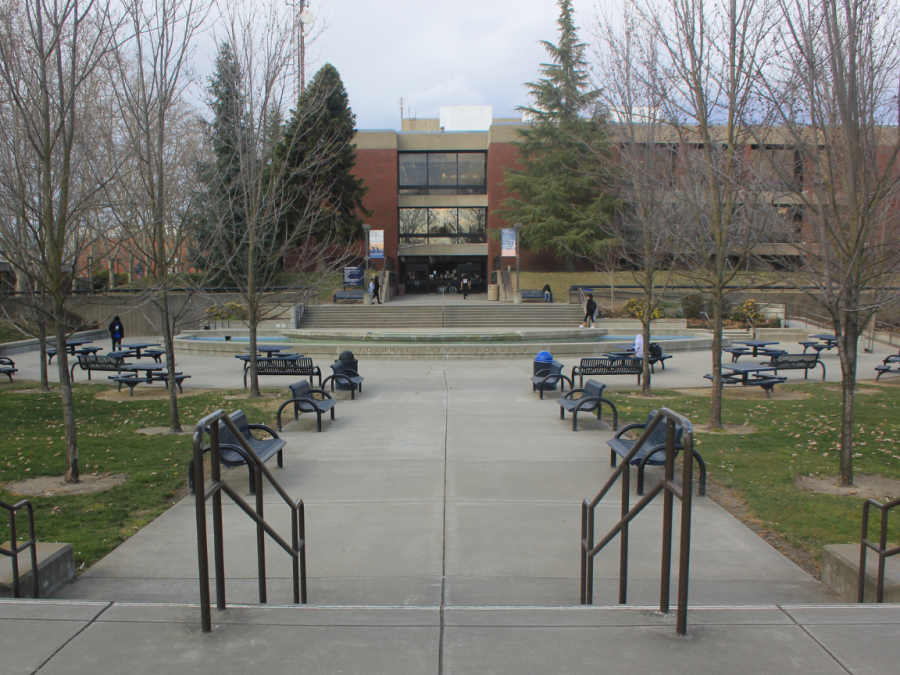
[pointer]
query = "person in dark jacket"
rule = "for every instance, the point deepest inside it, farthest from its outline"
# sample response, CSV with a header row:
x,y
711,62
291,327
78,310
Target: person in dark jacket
x,y
590,308
465,288
116,332
376,289
548,294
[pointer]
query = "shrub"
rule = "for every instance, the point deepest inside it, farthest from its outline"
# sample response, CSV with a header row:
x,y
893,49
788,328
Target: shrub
x,y
101,279
227,312
634,309
693,305
748,310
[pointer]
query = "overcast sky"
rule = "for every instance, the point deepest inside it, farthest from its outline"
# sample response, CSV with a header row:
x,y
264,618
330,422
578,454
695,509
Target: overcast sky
x,y
436,52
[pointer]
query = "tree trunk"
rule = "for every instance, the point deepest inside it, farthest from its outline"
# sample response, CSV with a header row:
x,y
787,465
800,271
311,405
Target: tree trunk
x,y
848,336
254,378
645,334
715,418
42,349
570,262
169,342
68,403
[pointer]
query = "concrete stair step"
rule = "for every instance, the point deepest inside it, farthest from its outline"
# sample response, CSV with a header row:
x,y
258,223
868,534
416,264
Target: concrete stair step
x,y
56,568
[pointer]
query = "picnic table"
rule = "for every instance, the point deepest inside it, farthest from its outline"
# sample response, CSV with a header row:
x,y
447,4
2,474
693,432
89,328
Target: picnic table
x,y
136,347
71,346
148,368
755,344
268,349
740,374
829,339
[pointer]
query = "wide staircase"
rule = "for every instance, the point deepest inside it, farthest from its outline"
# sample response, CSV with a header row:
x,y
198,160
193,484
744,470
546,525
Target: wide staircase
x,y
494,315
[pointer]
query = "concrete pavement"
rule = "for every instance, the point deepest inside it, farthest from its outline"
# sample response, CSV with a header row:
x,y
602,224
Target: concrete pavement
x,y
443,518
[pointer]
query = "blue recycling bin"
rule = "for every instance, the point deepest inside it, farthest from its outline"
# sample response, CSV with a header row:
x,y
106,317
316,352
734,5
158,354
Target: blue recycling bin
x,y
542,363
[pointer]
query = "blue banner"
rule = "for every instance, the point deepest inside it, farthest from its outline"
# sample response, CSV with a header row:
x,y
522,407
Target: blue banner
x,y
508,242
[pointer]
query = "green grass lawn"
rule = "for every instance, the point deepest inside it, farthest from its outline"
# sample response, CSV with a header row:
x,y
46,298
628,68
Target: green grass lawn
x,y
793,438
8,333
156,466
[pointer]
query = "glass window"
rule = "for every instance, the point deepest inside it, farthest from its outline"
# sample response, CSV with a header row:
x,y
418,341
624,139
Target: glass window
x,y
413,226
441,226
441,169
471,168
473,224
414,169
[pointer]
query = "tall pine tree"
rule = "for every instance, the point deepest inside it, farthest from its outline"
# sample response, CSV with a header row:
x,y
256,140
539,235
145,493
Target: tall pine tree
x,y
321,129
561,191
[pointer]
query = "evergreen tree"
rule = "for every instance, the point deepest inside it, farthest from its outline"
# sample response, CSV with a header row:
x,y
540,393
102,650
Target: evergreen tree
x,y
562,188
317,145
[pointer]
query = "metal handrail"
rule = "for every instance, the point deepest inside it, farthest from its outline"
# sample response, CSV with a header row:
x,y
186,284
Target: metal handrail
x,y
297,549
667,485
18,548
880,548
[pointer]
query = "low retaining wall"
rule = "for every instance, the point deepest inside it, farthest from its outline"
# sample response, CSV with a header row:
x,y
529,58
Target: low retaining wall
x,y
33,344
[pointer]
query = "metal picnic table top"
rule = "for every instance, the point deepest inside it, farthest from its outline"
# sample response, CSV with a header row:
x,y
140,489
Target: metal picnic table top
x,y
746,368
269,349
756,344
136,347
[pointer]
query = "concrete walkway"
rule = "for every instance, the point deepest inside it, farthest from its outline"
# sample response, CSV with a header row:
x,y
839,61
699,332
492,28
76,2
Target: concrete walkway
x,y
443,519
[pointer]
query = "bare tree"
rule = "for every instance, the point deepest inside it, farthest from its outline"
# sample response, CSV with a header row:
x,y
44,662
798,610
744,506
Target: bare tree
x,y
265,215
49,55
153,199
833,93
701,83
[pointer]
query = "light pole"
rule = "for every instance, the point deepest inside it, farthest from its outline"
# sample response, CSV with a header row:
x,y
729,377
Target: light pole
x,y
518,227
90,264
366,262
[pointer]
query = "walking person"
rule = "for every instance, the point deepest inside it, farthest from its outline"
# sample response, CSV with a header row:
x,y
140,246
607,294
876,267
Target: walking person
x,y
465,287
376,289
116,332
590,307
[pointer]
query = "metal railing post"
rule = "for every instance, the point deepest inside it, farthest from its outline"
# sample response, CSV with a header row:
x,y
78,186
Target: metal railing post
x,y
202,552
623,537
687,495
218,532
668,507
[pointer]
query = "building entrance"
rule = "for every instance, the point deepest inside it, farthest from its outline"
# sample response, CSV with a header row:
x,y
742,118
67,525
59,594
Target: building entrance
x,y
425,274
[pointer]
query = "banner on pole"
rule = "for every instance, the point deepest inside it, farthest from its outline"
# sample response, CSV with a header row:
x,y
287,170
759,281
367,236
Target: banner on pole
x,y
508,243
376,244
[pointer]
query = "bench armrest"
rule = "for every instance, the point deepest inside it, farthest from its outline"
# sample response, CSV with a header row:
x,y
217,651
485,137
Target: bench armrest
x,y
572,391
263,427
628,427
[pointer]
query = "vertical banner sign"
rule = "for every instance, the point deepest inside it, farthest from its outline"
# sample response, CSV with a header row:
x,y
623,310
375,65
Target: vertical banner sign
x,y
508,243
376,244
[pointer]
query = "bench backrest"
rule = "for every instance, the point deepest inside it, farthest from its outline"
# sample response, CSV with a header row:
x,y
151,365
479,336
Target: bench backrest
x,y
95,361
658,437
601,366
300,389
593,389
277,366
795,359
240,421
551,369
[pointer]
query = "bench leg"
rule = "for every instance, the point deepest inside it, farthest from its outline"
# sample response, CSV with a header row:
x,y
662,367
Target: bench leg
x,y
701,489
252,481
332,413
574,420
562,413
318,421
612,458
280,460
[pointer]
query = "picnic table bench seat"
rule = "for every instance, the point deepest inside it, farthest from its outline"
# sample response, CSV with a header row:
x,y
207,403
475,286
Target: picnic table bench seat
x,y
737,352
232,454
653,452
765,381
298,366
802,362
343,374
591,401
7,367
155,354
607,366
303,399
885,369
131,381
818,346
548,375
107,362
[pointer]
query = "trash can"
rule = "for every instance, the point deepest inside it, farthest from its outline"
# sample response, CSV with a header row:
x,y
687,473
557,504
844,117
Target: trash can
x,y
345,361
542,362
493,292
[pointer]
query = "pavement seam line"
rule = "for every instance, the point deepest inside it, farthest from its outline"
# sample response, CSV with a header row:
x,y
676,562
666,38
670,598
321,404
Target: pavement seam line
x,y
66,643
815,639
444,525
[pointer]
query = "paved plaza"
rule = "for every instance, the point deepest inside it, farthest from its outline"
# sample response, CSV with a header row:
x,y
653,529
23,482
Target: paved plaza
x,y
443,512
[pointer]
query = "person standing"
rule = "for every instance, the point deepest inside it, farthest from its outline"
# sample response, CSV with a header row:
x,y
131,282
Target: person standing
x,y
590,307
116,332
639,346
465,287
376,289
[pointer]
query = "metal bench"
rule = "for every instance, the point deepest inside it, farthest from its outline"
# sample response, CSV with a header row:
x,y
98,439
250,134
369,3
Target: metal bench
x,y
343,374
882,370
232,454
653,452
298,366
607,366
591,400
549,375
532,295
654,356
348,296
155,354
797,362
302,396
89,362
7,367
